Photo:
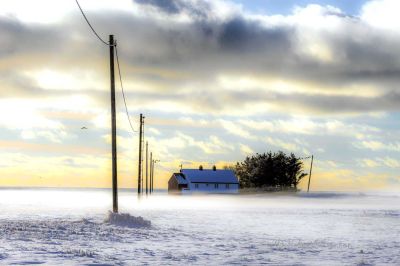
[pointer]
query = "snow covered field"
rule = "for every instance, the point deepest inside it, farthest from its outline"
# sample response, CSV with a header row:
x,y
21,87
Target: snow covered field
x,y
50,226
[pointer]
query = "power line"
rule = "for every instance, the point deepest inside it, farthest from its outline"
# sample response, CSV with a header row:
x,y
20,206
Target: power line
x,y
122,88
116,53
95,33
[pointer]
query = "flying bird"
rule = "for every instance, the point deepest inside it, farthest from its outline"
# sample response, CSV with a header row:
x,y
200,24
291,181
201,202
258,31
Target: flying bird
x,y
83,127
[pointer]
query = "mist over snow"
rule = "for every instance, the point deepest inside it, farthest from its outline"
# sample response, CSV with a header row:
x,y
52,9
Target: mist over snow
x,y
67,227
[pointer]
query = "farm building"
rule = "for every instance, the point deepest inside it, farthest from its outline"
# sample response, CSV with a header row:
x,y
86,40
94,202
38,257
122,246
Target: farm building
x,y
203,180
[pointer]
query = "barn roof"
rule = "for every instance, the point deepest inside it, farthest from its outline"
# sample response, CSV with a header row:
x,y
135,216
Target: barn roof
x,y
210,176
180,178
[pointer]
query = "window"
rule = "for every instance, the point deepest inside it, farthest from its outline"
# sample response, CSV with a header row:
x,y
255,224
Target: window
x,y
227,186
196,185
216,186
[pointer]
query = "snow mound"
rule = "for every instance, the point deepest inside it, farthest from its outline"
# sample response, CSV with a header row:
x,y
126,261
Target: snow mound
x,y
127,220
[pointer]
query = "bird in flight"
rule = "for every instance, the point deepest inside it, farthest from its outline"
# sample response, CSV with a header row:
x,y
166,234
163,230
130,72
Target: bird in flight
x,y
83,127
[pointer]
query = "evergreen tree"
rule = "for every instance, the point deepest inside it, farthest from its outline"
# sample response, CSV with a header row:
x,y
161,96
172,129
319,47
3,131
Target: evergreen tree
x,y
270,170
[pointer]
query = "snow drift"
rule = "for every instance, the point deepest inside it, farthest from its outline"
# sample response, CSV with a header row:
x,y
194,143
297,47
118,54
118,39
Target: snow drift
x,y
127,220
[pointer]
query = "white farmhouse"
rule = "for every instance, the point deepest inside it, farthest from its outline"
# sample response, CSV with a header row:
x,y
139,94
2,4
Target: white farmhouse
x,y
203,180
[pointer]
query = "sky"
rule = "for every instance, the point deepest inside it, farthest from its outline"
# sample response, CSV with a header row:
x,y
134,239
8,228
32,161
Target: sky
x,y
217,81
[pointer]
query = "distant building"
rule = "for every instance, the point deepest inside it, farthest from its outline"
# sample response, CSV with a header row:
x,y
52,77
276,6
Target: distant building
x,y
203,180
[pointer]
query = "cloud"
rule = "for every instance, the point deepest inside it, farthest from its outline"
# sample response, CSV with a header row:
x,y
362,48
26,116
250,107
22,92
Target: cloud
x,y
308,126
378,145
198,9
154,131
379,162
286,145
15,116
246,150
382,14
390,162
236,129
205,46
213,145
207,73
172,7
52,136
369,163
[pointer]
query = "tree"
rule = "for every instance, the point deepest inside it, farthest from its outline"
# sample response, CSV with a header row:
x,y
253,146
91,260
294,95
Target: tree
x,y
270,170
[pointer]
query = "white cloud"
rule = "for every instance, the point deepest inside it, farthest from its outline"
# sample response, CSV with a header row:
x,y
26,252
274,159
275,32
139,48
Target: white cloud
x,y
213,145
154,131
308,126
369,163
19,114
55,136
379,162
49,11
378,145
24,116
246,150
382,14
236,129
390,162
75,80
285,145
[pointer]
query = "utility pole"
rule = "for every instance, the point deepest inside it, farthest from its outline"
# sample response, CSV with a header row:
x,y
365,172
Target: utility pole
x,y
140,155
309,176
151,172
142,175
147,167
113,128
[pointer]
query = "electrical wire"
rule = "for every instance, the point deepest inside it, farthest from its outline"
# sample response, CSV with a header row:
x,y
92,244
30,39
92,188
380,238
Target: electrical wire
x,y
95,33
116,53
122,89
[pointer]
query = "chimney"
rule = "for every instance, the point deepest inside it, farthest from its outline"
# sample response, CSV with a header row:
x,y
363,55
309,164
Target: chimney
x,y
214,168
201,168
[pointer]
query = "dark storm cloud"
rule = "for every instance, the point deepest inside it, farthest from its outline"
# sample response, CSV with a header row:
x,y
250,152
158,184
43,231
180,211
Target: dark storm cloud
x,y
17,37
199,9
297,103
241,35
172,54
242,45
168,6
340,104
207,47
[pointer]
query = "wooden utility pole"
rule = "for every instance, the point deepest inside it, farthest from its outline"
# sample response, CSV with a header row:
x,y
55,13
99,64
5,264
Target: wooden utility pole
x,y
147,167
309,176
142,174
113,128
140,155
151,172
152,175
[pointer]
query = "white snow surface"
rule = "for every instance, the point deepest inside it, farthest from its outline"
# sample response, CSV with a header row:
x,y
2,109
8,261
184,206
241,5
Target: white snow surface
x,y
68,227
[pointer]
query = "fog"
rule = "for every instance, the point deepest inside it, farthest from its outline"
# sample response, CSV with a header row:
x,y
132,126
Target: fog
x,y
50,225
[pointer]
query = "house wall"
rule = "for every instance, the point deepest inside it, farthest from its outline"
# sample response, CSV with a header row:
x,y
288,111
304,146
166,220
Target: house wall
x,y
173,185
211,187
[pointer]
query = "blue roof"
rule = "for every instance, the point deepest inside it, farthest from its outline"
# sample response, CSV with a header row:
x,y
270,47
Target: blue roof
x,y
210,176
180,178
